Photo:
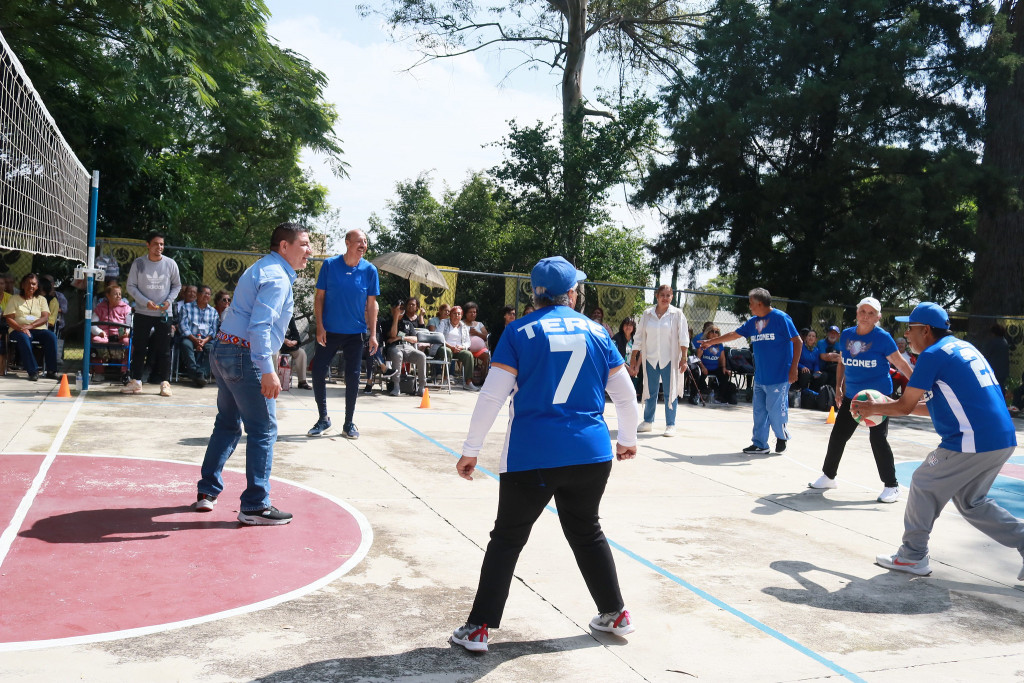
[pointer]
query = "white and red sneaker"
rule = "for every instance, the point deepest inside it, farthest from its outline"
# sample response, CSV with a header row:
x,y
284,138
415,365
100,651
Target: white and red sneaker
x,y
471,637
619,623
901,564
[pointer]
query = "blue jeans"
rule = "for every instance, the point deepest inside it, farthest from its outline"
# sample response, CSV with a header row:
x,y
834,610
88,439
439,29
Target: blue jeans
x,y
195,363
663,375
47,339
240,402
771,406
351,346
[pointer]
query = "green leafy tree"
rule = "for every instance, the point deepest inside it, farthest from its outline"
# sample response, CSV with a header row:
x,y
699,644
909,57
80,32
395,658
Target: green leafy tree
x,y
637,36
193,116
825,149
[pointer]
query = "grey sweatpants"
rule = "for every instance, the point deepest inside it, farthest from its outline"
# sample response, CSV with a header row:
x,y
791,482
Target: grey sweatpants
x,y
964,478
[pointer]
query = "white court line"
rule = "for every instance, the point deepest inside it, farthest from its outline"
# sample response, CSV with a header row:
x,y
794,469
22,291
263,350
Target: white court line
x,y
7,539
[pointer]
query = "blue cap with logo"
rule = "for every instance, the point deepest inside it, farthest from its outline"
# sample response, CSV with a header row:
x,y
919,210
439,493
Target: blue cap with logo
x,y
554,276
927,313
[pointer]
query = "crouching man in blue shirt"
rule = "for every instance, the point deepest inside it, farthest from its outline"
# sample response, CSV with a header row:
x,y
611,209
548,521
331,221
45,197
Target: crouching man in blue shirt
x,y
247,385
967,408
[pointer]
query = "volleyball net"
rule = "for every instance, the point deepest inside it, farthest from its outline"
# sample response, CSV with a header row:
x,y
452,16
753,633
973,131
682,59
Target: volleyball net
x,y
44,188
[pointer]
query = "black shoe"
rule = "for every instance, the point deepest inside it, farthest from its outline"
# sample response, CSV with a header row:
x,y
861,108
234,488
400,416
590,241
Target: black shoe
x,y
321,426
204,502
305,385
199,380
780,445
33,377
51,375
752,450
368,389
270,516
349,431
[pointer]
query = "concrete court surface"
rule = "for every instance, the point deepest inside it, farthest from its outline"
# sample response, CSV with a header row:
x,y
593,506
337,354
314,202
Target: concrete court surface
x,y
732,569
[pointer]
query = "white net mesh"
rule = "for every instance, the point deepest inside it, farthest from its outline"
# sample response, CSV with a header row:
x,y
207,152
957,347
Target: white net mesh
x,y
44,189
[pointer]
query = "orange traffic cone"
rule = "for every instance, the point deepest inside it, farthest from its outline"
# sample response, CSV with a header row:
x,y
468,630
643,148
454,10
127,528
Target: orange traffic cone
x,y
64,391
425,403
831,420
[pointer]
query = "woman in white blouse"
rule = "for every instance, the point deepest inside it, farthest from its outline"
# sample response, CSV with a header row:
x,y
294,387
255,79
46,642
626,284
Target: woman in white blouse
x,y
660,343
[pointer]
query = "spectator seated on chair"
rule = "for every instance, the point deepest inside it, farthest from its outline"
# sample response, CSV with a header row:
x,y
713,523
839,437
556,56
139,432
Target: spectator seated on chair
x,y
57,302
828,355
293,347
898,379
6,291
401,344
477,343
27,315
715,366
809,366
221,301
111,339
442,314
456,345
199,325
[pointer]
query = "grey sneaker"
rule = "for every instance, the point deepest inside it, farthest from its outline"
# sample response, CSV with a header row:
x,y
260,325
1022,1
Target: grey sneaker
x,y
321,426
270,516
204,502
471,637
618,623
900,564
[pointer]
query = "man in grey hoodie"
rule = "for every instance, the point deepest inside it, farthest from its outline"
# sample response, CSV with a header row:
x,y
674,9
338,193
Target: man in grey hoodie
x,y
154,283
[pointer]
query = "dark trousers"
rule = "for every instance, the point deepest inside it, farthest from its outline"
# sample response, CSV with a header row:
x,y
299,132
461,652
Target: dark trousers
x,y
351,346
152,334
843,429
522,496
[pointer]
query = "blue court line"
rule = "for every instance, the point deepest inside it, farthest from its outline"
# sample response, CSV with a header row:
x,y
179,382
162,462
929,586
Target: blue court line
x,y
764,628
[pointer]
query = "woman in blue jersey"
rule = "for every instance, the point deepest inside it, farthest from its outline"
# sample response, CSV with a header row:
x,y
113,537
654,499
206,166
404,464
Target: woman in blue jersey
x,y
556,364
865,353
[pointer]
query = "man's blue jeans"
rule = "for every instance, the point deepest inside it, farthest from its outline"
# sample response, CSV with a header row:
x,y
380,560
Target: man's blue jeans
x,y
195,362
654,376
28,360
771,407
240,402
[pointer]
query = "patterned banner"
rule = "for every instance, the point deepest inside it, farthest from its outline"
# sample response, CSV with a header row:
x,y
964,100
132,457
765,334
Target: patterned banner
x,y
824,317
17,263
518,286
700,308
617,302
431,297
1015,338
221,271
124,252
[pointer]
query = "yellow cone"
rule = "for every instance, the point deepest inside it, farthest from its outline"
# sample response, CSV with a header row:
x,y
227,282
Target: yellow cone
x,y
831,416
64,391
425,403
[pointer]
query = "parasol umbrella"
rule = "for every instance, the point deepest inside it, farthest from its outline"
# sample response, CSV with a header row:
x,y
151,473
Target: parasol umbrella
x,y
412,267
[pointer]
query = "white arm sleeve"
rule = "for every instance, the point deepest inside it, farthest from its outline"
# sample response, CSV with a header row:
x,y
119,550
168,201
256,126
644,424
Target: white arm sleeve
x,y
495,392
620,388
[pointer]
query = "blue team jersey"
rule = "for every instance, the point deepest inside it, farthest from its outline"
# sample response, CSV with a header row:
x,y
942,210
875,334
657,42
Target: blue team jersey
x,y
556,417
865,360
966,406
345,291
712,357
771,337
809,359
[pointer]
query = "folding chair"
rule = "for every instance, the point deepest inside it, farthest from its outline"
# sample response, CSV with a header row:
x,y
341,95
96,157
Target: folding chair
x,y
435,365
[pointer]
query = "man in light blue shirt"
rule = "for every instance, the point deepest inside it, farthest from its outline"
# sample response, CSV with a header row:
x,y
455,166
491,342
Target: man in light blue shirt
x,y
247,385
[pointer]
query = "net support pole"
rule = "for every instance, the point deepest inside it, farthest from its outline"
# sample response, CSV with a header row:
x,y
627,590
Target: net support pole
x,y
94,194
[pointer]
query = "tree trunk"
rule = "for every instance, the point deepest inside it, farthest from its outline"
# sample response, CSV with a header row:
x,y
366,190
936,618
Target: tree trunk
x,y
999,244
573,173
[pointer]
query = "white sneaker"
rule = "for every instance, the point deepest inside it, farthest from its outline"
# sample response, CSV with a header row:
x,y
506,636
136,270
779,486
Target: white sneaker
x,y
165,388
890,494
670,431
619,623
645,427
896,562
134,386
823,482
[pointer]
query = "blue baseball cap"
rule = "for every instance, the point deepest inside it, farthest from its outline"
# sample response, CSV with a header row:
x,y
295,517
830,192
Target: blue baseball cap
x,y
554,276
832,329
927,313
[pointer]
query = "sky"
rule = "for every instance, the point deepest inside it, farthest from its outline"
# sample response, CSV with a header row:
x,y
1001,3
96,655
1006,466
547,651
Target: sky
x,y
395,124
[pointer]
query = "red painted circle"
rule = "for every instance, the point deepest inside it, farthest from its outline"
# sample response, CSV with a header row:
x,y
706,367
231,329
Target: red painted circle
x,y
112,544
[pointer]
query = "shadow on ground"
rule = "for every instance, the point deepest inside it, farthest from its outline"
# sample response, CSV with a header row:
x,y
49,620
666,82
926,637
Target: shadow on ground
x,y
115,526
449,664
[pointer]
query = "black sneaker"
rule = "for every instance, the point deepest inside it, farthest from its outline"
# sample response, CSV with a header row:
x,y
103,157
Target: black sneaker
x,y
752,450
349,431
270,516
204,502
321,426
368,389
199,380
780,445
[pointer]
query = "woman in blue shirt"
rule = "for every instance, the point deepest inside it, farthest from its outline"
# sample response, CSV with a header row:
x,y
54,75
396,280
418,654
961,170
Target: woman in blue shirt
x,y
811,376
865,353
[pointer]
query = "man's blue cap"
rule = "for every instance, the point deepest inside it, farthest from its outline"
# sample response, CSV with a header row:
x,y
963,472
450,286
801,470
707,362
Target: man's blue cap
x,y
832,329
927,313
554,276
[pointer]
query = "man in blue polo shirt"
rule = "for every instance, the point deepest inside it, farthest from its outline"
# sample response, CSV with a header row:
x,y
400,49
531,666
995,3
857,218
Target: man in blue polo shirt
x,y
241,357
557,364
345,306
967,408
776,345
